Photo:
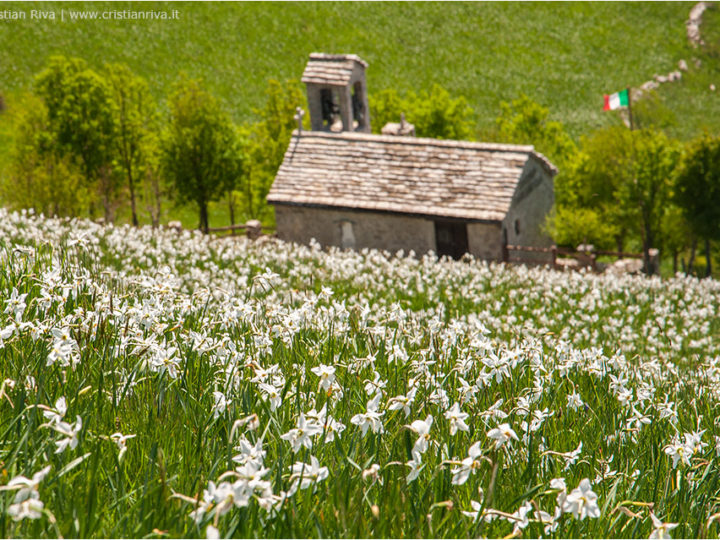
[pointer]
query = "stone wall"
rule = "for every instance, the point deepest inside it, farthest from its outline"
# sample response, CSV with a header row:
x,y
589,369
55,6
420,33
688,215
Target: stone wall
x,y
391,232
533,201
365,230
485,241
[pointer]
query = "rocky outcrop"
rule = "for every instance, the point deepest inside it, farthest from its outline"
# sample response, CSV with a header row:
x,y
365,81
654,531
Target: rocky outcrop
x,y
693,23
693,33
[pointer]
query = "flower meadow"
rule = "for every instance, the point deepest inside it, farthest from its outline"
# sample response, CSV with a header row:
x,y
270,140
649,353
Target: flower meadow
x,y
165,384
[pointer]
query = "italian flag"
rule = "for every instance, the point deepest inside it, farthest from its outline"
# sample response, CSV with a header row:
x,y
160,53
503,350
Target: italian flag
x,y
616,100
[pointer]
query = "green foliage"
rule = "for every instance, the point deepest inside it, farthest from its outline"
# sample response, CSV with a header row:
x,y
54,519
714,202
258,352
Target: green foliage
x,y
135,144
81,116
80,111
591,179
268,140
201,153
625,178
698,186
570,226
698,191
435,114
644,199
39,178
675,233
524,121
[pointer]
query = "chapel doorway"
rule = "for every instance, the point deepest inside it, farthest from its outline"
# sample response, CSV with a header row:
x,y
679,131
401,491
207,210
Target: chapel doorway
x,y
451,239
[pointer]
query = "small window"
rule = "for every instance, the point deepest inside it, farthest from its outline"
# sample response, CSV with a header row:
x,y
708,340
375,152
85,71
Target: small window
x,y
347,235
517,227
358,106
329,101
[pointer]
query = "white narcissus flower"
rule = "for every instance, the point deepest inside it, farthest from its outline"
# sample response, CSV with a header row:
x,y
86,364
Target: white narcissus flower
x,y
574,401
402,402
56,414
302,435
661,529
29,508
16,303
422,428
468,465
304,475
220,404
27,503
502,434
326,374
272,394
457,419
371,419
521,516
678,452
70,431
121,441
582,501
415,467
27,487
166,360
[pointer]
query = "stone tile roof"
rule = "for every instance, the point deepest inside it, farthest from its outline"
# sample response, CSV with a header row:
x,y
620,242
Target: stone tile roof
x,y
332,69
431,177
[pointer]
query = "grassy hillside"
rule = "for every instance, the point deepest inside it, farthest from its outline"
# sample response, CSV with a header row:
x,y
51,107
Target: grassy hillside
x,y
564,55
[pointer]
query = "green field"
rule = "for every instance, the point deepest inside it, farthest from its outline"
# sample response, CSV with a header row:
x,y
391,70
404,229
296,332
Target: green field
x,y
563,55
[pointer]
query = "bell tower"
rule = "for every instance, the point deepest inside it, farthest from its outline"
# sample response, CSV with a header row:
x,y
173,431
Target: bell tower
x,y
337,92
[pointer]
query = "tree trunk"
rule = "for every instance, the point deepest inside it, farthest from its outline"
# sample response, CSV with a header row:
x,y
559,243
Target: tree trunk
x,y
647,245
708,261
691,261
204,217
131,185
106,193
158,200
675,262
231,207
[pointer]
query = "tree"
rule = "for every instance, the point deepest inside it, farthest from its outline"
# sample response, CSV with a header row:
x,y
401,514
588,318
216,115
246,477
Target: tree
x,y
646,197
625,177
435,114
697,190
676,234
135,121
588,184
268,140
571,226
524,121
38,177
201,154
81,119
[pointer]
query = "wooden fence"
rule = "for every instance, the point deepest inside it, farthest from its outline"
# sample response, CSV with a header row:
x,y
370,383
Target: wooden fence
x,y
251,230
583,257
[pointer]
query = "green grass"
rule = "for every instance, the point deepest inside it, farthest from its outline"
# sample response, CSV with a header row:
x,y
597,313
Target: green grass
x,y
563,55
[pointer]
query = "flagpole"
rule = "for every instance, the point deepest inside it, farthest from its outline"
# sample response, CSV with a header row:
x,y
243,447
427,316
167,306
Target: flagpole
x,y
630,108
